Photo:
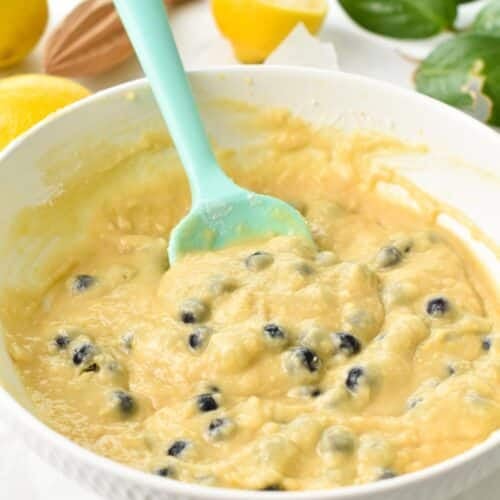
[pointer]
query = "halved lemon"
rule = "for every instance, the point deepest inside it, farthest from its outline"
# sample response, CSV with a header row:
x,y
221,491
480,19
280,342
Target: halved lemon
x,y
256,27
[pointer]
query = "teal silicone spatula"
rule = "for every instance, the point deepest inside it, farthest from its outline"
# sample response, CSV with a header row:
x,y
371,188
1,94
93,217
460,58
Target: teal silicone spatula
x,y
222,213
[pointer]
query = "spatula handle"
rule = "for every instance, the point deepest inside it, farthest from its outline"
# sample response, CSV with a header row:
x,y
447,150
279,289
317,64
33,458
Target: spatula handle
x,y
146,23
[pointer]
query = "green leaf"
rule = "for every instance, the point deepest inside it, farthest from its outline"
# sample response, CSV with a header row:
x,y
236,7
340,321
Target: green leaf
x,y
403,18
487,21
465,72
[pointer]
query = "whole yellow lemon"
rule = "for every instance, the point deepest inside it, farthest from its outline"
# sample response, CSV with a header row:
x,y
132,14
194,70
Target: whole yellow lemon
x,y
22,23
27,99
256,27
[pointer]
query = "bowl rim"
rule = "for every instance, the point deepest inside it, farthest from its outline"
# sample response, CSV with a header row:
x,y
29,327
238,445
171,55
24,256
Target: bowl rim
x,y
37,427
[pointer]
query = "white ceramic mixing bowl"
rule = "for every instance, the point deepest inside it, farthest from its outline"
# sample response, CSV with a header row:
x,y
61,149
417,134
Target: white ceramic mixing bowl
x,y
119,116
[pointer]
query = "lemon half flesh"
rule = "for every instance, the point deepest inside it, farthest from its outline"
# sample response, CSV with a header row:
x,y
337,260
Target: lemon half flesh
x,y
256,27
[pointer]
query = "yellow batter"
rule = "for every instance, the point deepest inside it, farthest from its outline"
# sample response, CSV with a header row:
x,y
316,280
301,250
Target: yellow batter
x,y
269,365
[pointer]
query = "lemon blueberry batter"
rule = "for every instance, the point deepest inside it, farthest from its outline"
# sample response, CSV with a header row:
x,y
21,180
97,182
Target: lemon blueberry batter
x,y
270,365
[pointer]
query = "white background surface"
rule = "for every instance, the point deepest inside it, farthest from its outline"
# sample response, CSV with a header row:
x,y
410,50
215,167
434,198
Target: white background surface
x,y
23,476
